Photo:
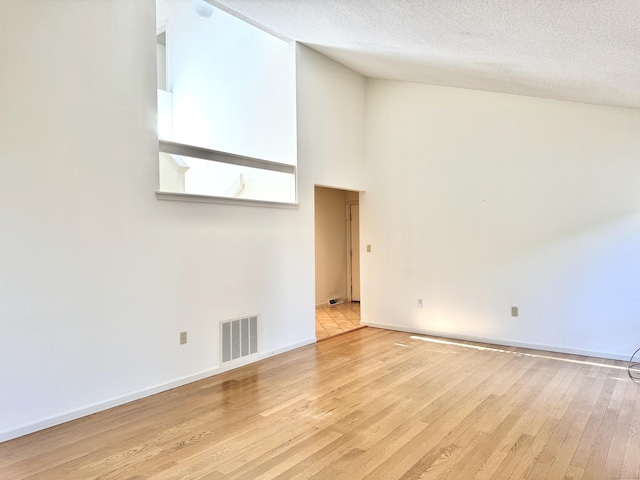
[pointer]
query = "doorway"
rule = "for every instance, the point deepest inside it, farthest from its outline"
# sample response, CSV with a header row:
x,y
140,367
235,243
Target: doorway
x,y
353,248
337,252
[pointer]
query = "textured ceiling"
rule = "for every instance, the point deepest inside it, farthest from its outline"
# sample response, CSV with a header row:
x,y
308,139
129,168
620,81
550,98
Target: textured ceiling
x,y
578,50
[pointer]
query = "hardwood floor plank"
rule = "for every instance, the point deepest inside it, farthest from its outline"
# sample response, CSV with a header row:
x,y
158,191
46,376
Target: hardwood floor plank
x,y
583,451
337,451
615,456
410,453
595,468
545,421
631,462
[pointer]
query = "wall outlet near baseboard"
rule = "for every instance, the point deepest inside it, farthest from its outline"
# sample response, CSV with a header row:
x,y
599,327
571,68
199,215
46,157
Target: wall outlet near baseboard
x,y
514,311
183,338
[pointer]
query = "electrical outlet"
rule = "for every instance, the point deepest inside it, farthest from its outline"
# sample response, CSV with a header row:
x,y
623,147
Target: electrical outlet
x,y
420,303
368,248
514,311
183,338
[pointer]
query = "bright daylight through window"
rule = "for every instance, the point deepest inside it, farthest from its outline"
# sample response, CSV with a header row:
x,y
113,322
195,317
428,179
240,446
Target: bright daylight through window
x,y
226,107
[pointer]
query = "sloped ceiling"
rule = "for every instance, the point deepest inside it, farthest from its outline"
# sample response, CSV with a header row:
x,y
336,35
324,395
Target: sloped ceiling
x,y
578,50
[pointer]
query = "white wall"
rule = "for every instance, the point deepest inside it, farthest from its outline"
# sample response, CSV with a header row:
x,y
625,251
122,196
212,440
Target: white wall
x,y
99,277
331,113
161,66
477,202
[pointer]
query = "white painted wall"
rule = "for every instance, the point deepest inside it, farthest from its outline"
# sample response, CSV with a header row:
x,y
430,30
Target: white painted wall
x,y
161,66
477,202
99,277
165,115
331,114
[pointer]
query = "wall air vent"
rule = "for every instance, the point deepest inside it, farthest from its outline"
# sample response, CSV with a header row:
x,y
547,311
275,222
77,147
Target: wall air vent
x,y
238,338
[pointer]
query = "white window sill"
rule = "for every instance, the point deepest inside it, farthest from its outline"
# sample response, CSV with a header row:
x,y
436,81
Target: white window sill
x,y
189,197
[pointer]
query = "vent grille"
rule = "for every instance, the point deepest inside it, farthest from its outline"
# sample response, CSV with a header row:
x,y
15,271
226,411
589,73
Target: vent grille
x,y
238,338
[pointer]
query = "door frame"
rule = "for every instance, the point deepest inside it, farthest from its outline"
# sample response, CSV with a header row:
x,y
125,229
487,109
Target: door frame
x,y
349,246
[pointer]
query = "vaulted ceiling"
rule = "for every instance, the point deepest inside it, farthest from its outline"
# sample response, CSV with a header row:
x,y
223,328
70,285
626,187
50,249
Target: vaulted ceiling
x,y
577,50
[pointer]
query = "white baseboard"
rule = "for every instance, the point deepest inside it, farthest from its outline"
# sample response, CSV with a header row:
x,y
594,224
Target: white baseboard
x,y
493,341
137,395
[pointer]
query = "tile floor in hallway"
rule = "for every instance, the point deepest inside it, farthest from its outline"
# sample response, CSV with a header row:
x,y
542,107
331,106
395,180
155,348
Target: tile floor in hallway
x,y
337,319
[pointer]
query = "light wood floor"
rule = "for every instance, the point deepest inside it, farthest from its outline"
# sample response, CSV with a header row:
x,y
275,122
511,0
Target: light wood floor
x,y
371,404
338,319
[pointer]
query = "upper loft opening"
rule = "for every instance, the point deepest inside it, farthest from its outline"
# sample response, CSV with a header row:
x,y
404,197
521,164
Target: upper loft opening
x,y
228,87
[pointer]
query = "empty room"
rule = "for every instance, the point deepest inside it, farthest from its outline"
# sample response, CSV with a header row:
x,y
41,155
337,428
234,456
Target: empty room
x,y
162,163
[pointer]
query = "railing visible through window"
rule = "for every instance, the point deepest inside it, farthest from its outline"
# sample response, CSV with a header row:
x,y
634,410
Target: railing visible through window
x,y
190,170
